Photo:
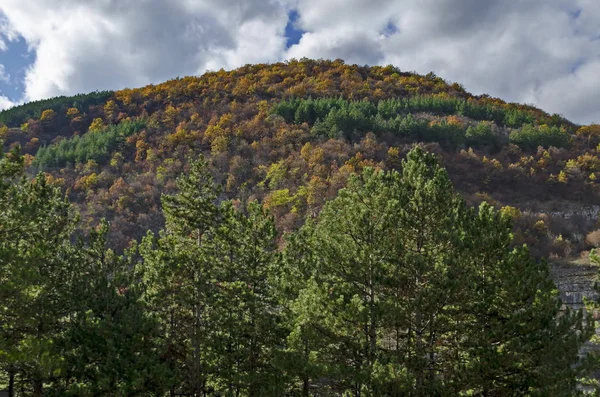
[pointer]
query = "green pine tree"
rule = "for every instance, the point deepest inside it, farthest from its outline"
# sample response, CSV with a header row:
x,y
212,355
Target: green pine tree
x,y
35,228
246,334
413,293
110,345
179,274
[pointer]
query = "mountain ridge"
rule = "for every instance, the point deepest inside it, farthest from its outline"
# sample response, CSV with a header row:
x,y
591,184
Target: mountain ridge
x,y
361,116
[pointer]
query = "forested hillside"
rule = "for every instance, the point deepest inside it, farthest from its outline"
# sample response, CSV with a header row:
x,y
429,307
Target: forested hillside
x,y
299,228
290,134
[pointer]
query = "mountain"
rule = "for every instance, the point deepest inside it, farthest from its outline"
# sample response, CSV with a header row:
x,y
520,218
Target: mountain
x,y
289,135
315,233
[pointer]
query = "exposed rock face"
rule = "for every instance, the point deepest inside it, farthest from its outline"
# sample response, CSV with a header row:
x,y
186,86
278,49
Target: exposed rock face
x,y
590,213
575,282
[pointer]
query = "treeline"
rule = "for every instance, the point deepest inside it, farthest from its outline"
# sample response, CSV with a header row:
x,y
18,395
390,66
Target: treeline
x,y
338,117
310,110
18,115
94,145
396,288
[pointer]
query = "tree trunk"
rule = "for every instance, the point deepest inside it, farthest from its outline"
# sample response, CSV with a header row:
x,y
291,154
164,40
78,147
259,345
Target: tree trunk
x,y
170,344
254,387
197,359
305,377
38,387
372,340
305,387
11,381
198,384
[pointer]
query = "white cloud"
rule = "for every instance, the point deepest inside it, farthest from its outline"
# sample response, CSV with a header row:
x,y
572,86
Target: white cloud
x,y
4,76
110,44
5,103
7,34
521,51
545,52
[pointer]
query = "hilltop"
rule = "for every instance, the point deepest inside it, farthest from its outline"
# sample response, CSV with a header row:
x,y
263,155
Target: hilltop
x,y
289,135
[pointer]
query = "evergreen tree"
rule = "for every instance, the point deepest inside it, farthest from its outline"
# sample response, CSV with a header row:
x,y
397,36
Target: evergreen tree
x,y
35,227
246,334
208,281
518,339
110,345
179,273
413,293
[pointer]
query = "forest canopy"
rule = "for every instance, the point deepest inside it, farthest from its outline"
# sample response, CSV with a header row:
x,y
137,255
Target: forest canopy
x,y
411,293
307,227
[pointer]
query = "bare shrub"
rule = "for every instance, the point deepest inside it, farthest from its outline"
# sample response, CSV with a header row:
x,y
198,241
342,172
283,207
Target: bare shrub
x,y
593,238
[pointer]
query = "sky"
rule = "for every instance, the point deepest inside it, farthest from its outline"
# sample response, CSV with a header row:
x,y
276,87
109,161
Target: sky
x,y
540,52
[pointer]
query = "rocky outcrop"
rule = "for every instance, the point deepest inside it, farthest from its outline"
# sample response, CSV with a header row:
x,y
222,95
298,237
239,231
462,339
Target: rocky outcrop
x,y
590,213
575,283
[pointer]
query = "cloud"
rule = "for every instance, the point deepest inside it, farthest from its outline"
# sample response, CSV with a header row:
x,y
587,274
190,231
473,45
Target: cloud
x,y
110,44
5,103
4,76
7,34
574,94
544,52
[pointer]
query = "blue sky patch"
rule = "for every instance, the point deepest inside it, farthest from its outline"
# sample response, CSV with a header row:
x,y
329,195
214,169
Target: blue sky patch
x,y
16,59
390,29
292,32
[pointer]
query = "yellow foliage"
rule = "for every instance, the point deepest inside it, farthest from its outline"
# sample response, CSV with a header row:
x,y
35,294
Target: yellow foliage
x,y
562,177
28,159
278,198
32,144
454,120
195,118
306,151
316,190
526,161
393,152
52,180
97,125
510,212
263,108
540,227
170,115
90,166
496,164
117,160
219,144
212,132
72,112
586,162
226,120
393,157
141,147
110,108
316,157
151,155
86,182
48,115
3,131
589,131
469,154
182,137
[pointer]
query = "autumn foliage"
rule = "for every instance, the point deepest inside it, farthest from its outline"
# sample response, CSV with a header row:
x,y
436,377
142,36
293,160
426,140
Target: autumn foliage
x,y
290,134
